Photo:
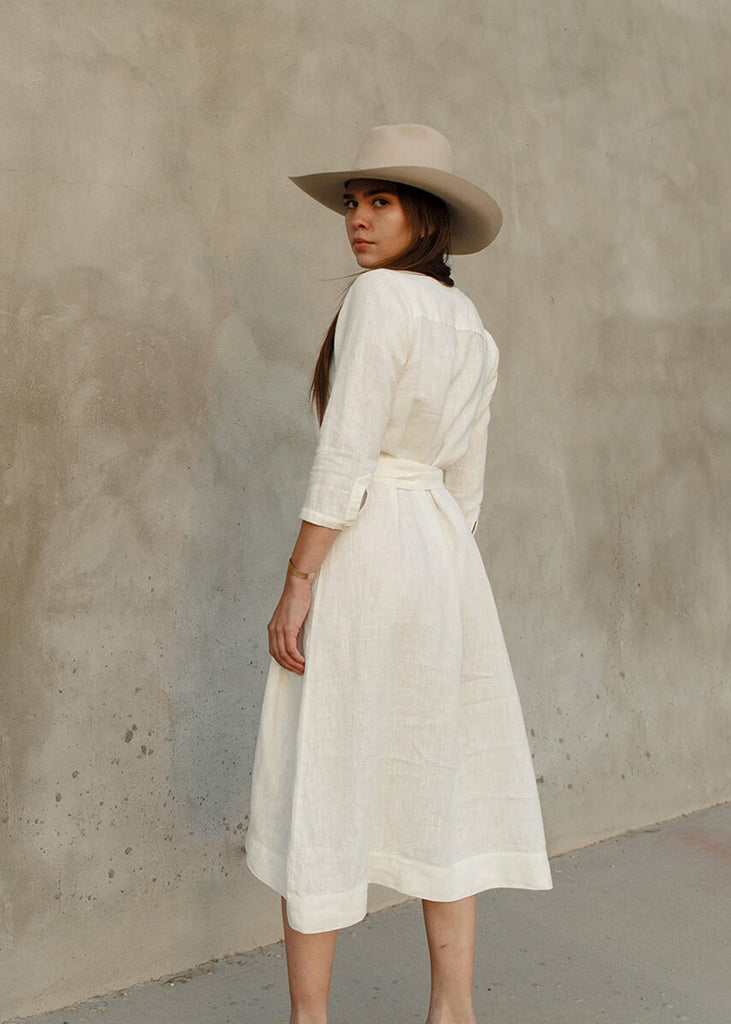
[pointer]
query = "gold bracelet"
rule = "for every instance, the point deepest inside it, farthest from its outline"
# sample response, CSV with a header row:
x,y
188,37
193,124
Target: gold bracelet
x,y
292,570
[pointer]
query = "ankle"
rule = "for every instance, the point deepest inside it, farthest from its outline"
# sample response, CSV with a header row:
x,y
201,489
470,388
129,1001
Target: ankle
x,y
308,1017
448,1018
443,1013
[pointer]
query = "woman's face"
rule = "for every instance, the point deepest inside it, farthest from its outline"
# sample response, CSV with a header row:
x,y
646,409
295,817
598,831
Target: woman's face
x,y
378,230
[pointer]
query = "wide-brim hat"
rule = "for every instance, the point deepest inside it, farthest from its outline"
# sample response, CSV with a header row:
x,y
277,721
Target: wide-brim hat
x,y
413,154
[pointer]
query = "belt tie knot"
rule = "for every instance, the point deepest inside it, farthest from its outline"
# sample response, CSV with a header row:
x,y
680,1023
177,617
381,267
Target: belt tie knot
x,y
408,474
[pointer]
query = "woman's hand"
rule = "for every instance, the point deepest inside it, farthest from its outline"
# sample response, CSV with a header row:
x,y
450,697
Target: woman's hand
x,y
286,624
313,544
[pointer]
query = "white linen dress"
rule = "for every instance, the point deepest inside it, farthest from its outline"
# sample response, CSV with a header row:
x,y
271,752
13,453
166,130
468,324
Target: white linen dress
x,y
400,756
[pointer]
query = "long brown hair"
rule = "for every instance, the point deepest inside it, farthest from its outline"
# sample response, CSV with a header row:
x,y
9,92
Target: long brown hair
x,y
426,254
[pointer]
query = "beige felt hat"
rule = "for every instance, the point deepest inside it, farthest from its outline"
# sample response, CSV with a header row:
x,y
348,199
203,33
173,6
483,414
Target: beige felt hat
x,y
413,154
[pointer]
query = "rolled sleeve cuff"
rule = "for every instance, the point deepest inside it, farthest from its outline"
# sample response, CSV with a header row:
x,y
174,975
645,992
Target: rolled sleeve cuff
x,y
320,519
332,509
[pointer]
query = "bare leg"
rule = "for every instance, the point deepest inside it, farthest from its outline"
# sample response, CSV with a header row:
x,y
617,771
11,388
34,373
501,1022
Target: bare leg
x,y
309,967
450,933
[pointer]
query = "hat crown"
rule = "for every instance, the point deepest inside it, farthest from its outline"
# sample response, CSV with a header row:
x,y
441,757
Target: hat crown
x,y
404,145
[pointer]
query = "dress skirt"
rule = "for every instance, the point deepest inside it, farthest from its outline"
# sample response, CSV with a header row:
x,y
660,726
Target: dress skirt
x,y
400,756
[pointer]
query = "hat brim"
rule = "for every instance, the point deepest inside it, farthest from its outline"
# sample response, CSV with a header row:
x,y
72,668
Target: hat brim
x,y
475,216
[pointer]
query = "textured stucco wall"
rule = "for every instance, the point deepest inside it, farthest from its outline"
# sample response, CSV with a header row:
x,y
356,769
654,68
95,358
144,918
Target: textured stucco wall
x,y
163,292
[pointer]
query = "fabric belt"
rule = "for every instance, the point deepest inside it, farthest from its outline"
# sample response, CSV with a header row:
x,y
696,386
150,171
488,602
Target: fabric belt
x,y
408,475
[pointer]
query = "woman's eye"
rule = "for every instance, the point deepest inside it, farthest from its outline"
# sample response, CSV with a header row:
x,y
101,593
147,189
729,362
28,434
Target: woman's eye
x,y
380,201
350,204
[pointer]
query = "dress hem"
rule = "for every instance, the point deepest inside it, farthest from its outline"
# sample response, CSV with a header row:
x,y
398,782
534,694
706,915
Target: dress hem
x,y
310,913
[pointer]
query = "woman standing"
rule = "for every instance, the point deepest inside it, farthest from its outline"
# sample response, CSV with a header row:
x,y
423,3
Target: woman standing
x,y
392,747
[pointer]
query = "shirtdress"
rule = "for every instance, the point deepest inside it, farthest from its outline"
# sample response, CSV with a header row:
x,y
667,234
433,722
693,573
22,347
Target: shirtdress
x,y
400,756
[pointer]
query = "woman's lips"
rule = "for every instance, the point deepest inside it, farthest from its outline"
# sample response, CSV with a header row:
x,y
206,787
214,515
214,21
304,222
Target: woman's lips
x,y
360,243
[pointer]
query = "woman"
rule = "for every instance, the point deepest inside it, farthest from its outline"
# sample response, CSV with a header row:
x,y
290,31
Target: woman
x,y
392,747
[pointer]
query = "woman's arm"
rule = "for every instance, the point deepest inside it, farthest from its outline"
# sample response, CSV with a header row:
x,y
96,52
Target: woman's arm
x,y
373,340
372,344
313,544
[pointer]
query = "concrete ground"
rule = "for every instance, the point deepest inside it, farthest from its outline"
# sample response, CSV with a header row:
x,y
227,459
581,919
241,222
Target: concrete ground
x,y
636,931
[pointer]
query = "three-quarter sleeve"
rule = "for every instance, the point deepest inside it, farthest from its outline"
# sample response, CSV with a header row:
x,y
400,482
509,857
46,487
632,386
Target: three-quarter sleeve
x,y
372,341
465,478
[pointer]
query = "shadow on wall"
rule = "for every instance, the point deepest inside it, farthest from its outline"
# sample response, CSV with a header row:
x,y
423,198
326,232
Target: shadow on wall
x,y
252,466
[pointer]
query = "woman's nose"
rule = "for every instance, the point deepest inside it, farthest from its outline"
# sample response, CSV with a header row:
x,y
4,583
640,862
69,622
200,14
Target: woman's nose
x,y
359,218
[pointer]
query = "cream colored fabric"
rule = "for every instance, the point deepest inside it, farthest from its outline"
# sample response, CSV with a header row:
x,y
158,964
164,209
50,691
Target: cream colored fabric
x,y
400,756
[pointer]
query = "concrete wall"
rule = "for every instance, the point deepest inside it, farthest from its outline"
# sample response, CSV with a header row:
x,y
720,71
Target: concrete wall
x,y
163,291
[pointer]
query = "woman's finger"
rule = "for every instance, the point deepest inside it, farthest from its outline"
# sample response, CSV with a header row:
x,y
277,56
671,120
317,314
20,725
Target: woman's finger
x,y
286,625
283,656
291,649
285,652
